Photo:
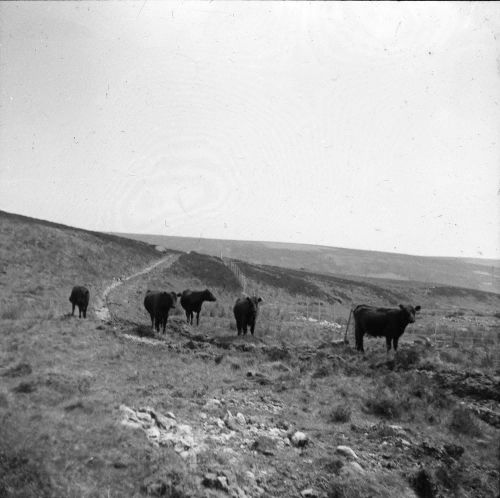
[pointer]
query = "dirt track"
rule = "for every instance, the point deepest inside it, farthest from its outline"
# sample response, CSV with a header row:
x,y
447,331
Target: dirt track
x,y
102,311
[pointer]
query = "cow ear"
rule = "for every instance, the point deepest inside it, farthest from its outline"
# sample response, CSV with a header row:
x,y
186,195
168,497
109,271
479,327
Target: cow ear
x,y
417,308
402,306
248,299
179,294
259,300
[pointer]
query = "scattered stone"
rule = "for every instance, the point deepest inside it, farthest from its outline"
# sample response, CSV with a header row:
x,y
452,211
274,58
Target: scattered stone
x,y
265,445
346,451
230,421
100,327
219,358
309,493
212,404
299,439
240,418
214,481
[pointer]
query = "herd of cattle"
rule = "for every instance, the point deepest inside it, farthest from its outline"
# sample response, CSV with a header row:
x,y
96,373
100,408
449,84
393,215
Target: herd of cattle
x,y
368,320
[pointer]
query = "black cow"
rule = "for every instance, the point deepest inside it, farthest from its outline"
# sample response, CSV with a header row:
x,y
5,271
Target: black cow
x,y
79,297
191,301
381,322
158,305
245,311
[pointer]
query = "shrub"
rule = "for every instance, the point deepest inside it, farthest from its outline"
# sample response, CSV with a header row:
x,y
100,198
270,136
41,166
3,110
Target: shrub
x,y
407,358
385,404
463,422
341,413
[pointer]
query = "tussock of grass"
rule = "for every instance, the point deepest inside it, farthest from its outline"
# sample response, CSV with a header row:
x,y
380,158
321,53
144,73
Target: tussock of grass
x,y
385,403
22,471
463,422
374,485
340,413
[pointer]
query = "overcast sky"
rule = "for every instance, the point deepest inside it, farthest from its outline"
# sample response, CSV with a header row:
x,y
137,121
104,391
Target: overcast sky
x,y
362,125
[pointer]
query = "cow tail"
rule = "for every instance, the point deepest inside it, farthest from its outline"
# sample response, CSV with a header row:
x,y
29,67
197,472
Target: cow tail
x,y
347,326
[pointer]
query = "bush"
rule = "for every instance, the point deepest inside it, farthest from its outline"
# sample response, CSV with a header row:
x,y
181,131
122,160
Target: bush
x,y
341,413
407,358
385,404
463,422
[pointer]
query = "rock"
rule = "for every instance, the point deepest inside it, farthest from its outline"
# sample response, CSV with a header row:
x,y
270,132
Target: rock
x,y
299,439
241,419
264,445
230,421
212,404
309,493
250,475
213,481
352,469
346,451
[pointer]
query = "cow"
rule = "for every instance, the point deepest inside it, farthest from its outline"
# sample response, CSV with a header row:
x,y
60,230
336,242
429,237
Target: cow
x,y
79,297
381,322
158,304
191,301
245,311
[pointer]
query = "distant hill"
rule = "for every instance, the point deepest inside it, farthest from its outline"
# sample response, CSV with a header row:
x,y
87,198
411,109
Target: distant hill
x,y
480,274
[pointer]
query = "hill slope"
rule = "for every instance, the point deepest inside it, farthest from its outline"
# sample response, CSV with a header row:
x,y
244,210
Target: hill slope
x,y
108,408
479,274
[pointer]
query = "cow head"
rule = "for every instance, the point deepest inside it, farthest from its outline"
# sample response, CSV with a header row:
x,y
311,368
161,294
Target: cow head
x,y
409,311
254,303
208,296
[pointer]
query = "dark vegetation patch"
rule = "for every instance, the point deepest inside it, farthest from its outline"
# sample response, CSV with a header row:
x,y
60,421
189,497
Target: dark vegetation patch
x,y
463,422
282,279
19,370
209,269
340,413
447,291
22,471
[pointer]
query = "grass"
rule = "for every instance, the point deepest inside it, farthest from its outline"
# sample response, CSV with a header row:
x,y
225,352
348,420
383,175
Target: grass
x,y
64,380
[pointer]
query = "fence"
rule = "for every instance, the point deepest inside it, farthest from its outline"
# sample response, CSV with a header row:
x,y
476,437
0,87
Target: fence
x,y
432,323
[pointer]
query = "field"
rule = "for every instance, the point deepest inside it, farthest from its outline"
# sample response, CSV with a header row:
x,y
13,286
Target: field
x,y
107,408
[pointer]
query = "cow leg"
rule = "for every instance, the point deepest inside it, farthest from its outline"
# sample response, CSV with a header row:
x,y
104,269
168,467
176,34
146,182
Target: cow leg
x,y
85,312
79,311
238,327
197,318
388,343
245,327
252,327
395,343
187,316
73,310
358,334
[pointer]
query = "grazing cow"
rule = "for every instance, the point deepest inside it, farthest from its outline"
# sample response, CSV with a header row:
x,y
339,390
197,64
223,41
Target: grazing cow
x,y
79,297
381,322
191,301
245,311
158,305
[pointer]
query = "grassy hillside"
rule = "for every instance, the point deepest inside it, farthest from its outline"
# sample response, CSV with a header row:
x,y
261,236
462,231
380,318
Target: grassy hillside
x,y
40,262
92,408
481,274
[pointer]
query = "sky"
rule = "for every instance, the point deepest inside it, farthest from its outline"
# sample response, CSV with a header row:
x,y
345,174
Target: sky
x,y
360,125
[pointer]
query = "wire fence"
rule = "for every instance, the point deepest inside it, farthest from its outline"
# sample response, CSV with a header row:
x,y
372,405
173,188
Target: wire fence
x,y
443,332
